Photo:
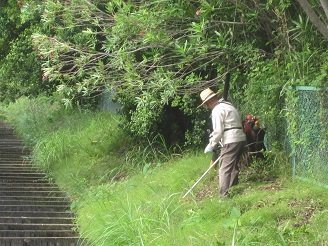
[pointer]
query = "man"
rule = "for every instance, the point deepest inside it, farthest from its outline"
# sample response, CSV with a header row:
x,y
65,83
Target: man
x,y
227,132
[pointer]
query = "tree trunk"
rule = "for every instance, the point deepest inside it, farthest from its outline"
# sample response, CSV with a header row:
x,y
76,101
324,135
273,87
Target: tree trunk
x,y
324,4
314,18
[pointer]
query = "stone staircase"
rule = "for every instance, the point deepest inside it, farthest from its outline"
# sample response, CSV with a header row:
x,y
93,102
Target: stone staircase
x,y
33,212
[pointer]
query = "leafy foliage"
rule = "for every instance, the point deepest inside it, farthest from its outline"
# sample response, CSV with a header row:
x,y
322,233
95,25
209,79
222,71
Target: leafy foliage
x,y
20,73
156,57
149,54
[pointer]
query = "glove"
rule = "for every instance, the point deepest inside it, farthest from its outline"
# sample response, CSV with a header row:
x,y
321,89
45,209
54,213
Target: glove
x,y
208,149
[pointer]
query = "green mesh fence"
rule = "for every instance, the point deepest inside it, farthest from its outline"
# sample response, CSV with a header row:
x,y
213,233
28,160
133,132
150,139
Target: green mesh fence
x,y
310,159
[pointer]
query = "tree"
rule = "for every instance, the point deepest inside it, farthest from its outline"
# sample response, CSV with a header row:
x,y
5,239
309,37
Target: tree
x,y
9,15
152,55
20,72
157,56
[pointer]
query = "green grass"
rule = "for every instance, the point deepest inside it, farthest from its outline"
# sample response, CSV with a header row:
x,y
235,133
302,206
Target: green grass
x,y
148,210
125,193
83,153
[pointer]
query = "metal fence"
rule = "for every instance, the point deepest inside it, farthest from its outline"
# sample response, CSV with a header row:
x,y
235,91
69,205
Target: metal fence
x,y
107,103
310,159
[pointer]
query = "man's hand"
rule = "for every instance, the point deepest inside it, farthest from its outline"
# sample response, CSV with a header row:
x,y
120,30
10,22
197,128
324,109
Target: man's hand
x,y
208,149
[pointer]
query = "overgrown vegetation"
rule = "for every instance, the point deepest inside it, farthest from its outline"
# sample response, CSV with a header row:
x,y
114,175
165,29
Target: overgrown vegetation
x,y
122,199
126,173
78,148
155,57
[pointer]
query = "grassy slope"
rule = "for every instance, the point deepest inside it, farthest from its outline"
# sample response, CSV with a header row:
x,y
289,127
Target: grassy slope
x,y
148,210
145,207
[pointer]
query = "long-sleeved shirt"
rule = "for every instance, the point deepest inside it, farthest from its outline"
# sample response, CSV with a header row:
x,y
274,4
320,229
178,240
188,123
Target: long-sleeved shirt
x,y
226,122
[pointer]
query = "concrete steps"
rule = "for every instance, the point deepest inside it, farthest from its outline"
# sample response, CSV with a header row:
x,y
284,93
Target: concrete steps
x,y
33,212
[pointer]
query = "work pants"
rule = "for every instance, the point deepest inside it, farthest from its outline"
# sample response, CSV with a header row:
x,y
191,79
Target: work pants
x,y
229,166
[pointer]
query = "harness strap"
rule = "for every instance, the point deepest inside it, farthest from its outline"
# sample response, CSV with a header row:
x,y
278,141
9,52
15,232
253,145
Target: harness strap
x,y
237,127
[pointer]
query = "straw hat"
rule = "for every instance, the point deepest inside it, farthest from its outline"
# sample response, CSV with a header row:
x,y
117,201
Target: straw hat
x,y
207,94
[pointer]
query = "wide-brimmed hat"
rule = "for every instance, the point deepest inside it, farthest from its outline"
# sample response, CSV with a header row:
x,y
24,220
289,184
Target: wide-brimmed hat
x,y
207,94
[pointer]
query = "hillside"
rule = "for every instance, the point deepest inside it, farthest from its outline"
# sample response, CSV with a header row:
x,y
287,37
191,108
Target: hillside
x,y
125,195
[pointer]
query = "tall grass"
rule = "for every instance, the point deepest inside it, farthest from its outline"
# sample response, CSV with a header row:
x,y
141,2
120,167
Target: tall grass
x,y
148,210
77,149
84,153
33,119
